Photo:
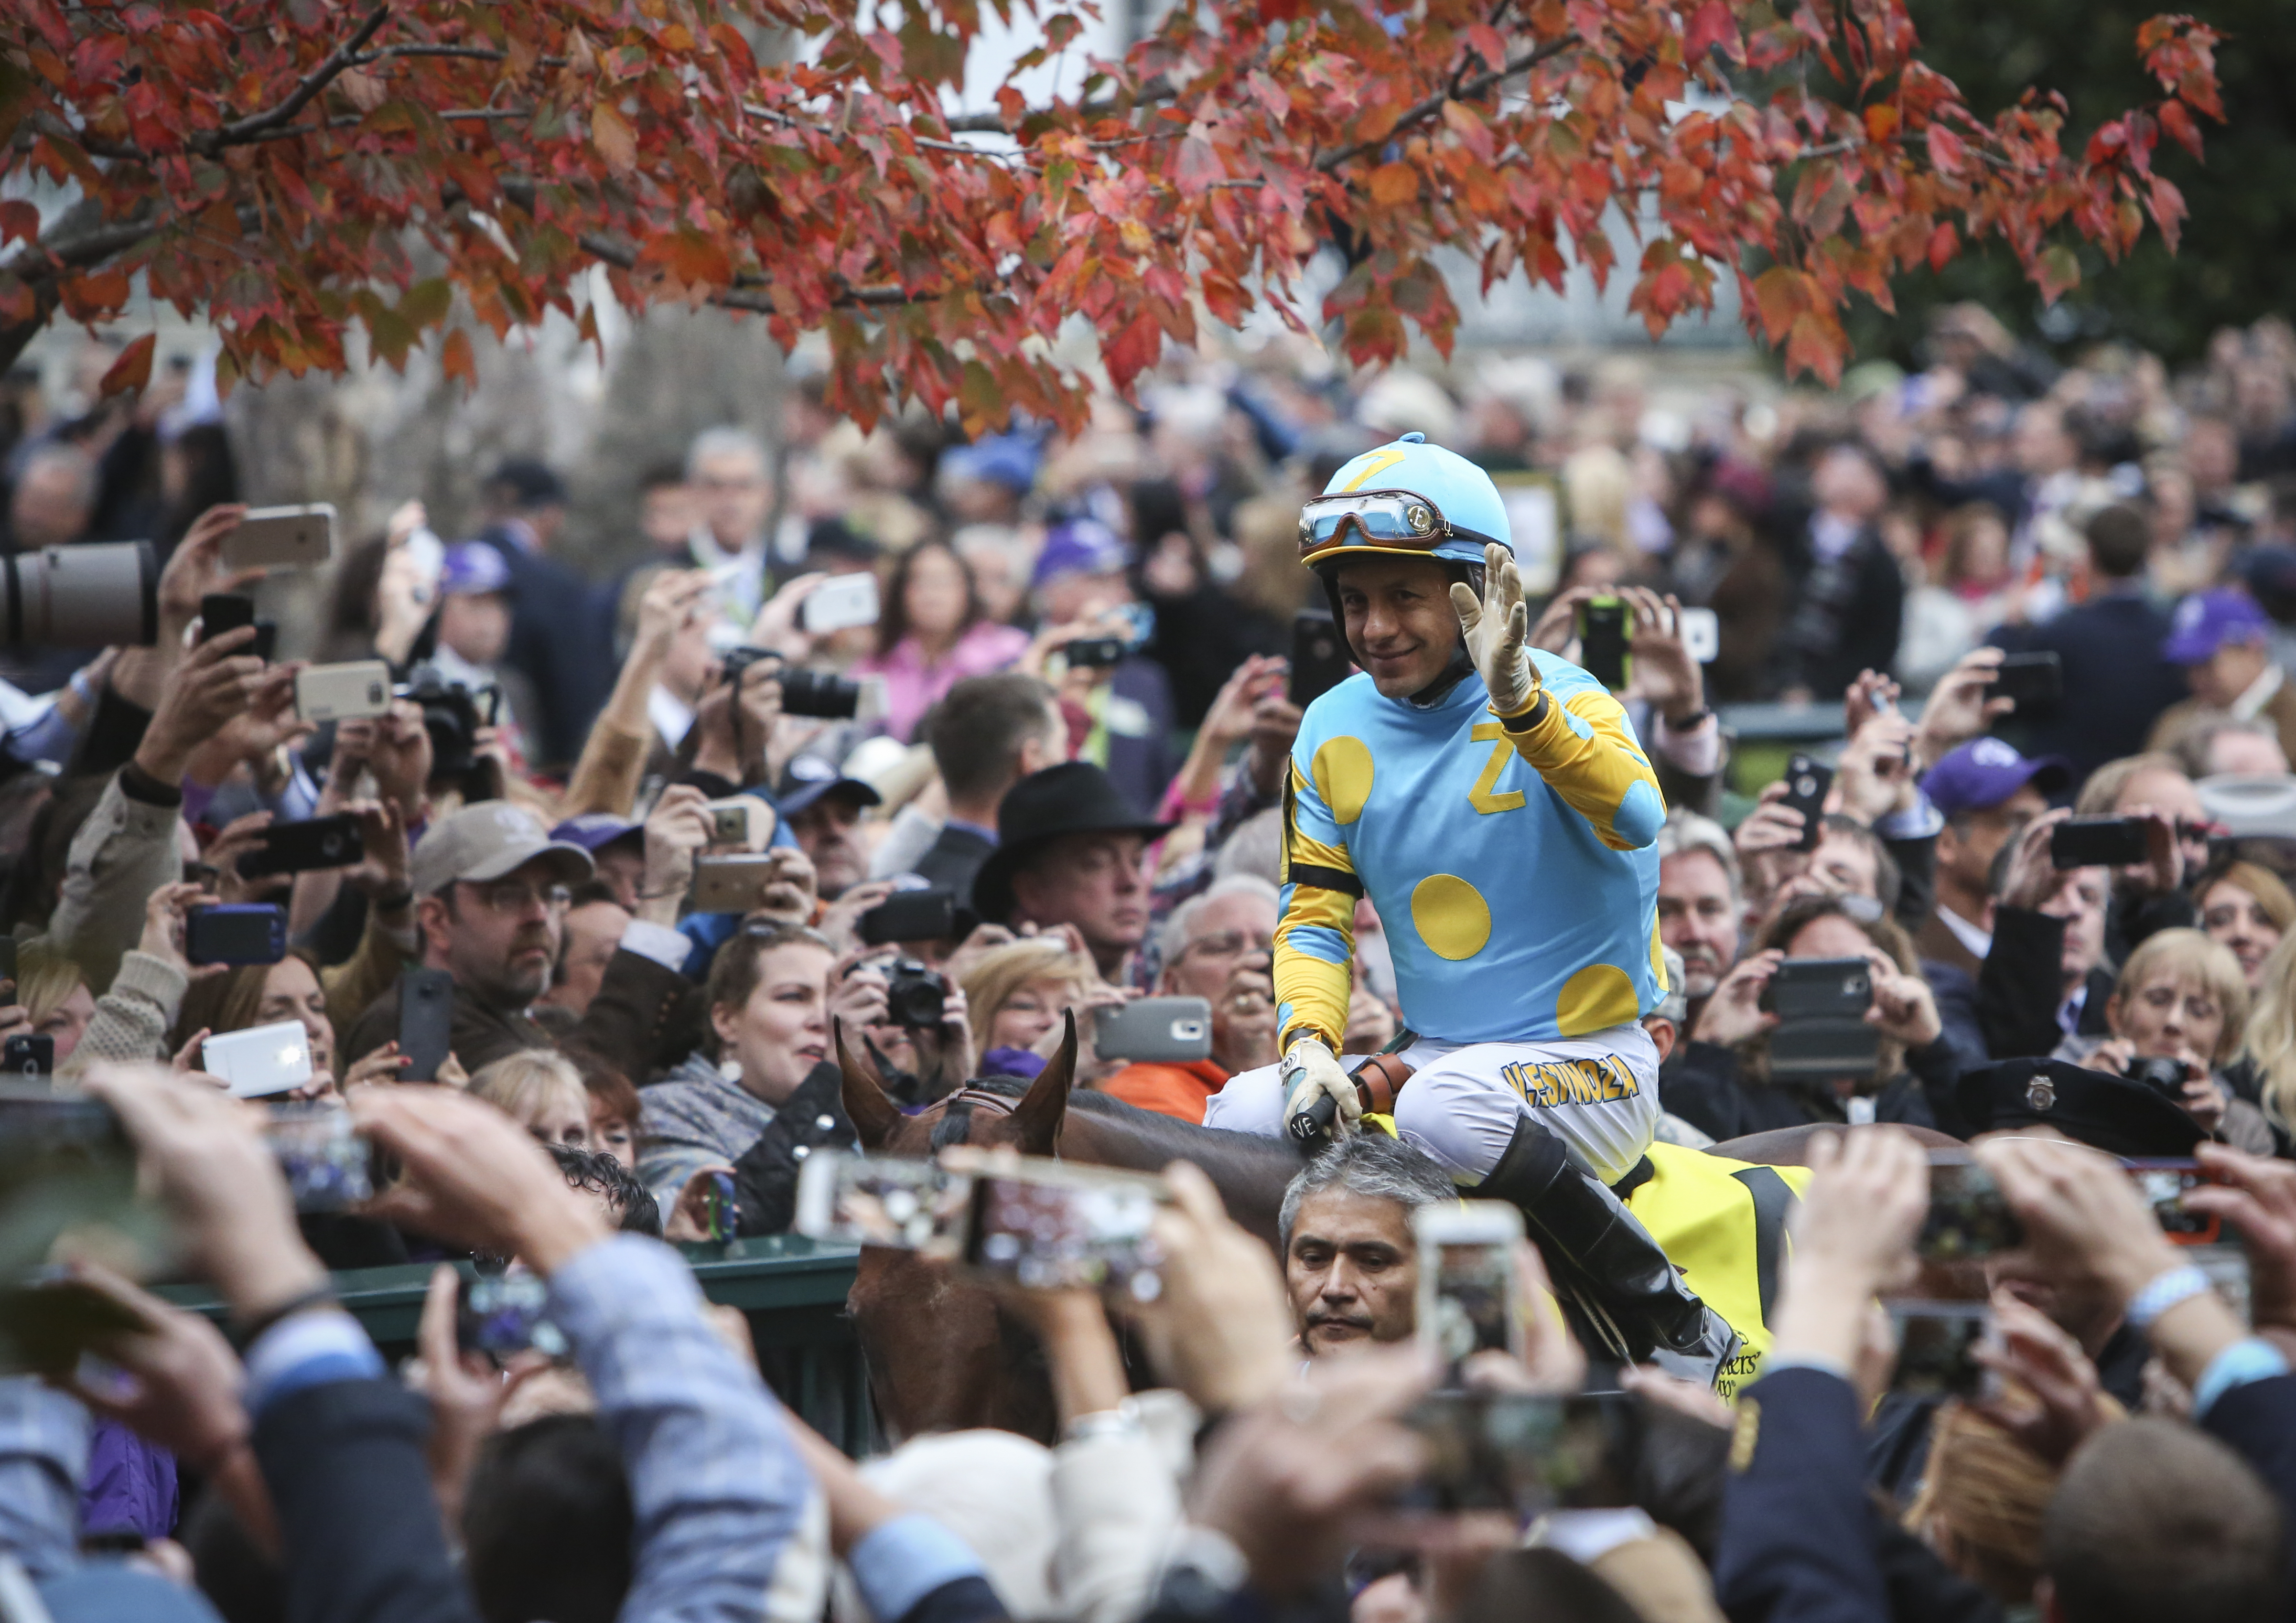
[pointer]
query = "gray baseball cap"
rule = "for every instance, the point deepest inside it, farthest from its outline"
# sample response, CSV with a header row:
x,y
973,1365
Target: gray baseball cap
x,y
486,840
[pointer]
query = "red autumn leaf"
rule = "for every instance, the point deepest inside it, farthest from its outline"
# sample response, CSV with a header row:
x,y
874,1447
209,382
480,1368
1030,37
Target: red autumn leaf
x,y
1712,28
2180,127
456,359
133,370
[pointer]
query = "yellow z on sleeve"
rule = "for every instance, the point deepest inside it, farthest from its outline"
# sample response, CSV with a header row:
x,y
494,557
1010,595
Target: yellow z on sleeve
x,y
1315,939
1581,744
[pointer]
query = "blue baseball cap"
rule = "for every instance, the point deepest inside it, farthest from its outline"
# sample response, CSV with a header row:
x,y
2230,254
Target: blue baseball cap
x,y
2206,621
1984,772
1406,499
1009,459
1080,546
808,778
473,569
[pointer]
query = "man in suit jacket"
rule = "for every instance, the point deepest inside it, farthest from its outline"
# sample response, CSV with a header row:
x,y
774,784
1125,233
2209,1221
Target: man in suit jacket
x,y
985,735
553,632
2115,681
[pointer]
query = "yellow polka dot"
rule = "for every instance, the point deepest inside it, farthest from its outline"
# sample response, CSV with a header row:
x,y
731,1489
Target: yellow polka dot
x,y
1600,996
1451,916
1657,956
1343,776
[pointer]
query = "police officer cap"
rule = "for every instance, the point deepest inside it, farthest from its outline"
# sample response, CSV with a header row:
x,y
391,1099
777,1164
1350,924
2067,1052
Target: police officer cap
x,y
2100,1110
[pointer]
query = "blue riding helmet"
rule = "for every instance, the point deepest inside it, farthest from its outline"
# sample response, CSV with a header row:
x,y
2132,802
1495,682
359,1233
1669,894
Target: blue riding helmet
x,y
1406,499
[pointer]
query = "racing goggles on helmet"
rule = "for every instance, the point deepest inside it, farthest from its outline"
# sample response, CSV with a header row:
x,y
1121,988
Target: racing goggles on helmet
x,y
1393,520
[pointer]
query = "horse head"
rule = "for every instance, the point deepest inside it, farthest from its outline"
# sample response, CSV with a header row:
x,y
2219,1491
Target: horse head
x,y
941,1355
983,1115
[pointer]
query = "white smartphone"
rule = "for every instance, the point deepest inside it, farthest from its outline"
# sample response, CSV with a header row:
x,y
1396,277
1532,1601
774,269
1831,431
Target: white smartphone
x,y
840,602
261,1061
282,537
342,693
1701,635
1466,1279
889,1200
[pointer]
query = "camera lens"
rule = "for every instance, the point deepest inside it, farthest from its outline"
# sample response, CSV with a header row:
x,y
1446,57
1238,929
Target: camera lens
x,y
821,694
83,597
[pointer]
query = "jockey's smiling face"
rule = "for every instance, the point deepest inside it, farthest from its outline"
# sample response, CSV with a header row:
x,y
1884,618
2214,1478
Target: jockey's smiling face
x,y
1352,1269
1399,622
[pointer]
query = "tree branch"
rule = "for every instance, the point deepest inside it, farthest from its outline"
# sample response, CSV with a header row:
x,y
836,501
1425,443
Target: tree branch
x,y
81,239
1432,105
317,79
995,124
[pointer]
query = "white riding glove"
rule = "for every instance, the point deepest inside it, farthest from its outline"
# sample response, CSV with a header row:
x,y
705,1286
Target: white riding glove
x,y
1309,1069
1497,628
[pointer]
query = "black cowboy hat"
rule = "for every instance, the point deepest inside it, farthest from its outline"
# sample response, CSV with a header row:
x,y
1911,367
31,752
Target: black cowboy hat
x,y
2102,1111
1073,797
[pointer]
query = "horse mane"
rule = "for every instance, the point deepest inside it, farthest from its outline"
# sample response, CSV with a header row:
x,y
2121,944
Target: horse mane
x,y
1251,1172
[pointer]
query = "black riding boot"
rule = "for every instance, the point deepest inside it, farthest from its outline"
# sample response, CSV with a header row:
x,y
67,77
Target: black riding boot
x,y
1627,1299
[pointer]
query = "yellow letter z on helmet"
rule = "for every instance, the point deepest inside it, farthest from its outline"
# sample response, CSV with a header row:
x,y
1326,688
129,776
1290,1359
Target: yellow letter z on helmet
x,y
1410,499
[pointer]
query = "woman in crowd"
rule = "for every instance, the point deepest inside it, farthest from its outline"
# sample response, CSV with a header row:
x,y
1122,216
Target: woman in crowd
x,y
2245,906
933,633
250,995
614,1108
1963,599
51,999
1017,994
1725,1083
769,1006
2181,998
539,1089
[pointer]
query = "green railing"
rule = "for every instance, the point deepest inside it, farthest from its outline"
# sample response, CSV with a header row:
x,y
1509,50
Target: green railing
x,y
790,1290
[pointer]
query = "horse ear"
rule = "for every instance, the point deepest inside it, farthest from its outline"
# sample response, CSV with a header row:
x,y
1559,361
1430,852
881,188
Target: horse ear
x,y
1036,1119
873,1112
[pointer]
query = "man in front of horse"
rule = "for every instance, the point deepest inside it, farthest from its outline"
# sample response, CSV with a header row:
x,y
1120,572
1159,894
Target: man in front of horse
x,y
1493,803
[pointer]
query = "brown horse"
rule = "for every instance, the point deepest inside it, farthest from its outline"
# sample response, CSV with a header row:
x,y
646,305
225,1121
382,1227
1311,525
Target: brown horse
x,y
1791,1146
924,1326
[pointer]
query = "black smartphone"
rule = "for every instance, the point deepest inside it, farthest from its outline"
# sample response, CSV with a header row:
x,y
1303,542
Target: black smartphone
x,y
1319,657
1937,1347
236,932
221,611
2028,678
910,916
721,1212
1819,988
2097,842
426,1022
31,1054
314,842
1097,652
1602,637
1967,1216
502,1314
2164,1184
1821,1034
1809,781
1523,1453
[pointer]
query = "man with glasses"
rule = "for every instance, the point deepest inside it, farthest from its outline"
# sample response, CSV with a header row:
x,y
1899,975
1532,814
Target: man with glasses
x,y
1492,801
491,891
1214,947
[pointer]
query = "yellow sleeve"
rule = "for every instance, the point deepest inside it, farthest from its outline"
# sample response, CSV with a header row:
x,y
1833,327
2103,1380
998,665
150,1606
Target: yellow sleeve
x,y
1315,939
1583,747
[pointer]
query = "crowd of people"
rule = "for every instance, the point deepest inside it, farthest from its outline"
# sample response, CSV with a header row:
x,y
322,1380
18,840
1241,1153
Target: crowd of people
x,y
884,766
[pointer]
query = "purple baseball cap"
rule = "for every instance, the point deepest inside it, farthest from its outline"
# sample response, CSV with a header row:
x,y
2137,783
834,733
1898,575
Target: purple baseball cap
x,y
2206,621
1984,772
594,831
1081,546
473,569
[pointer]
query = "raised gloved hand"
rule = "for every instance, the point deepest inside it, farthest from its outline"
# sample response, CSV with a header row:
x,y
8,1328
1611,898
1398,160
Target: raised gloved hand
x,y
1497,628
1312,1071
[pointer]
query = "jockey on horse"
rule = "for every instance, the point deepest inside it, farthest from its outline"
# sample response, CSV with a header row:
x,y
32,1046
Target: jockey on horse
x,y
1493,803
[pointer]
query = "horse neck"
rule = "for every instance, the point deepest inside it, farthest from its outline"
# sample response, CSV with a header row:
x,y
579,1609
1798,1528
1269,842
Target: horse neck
x,y
1251,1188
